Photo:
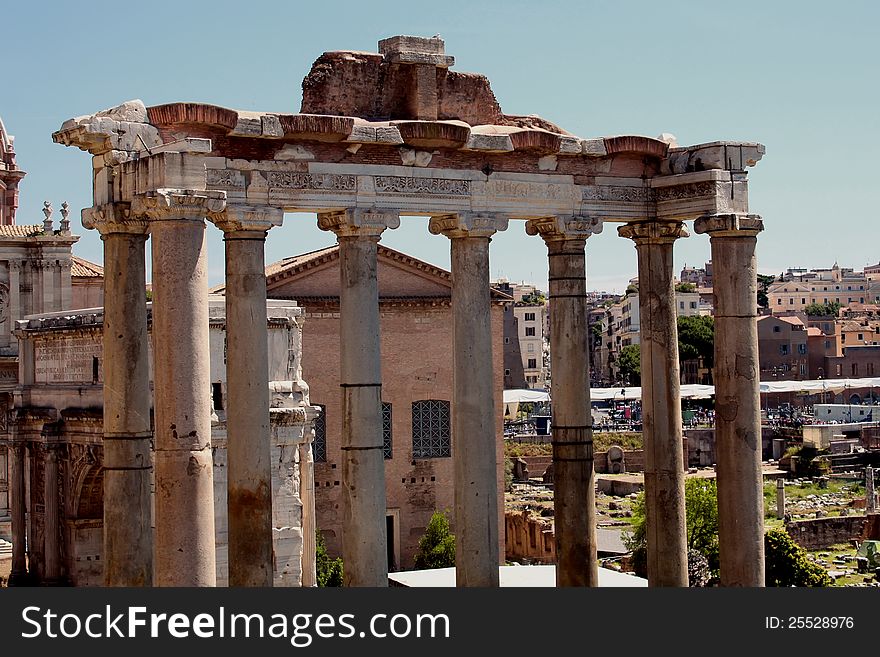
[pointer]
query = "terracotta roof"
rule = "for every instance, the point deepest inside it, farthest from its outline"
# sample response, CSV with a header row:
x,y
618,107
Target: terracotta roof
x,y
297,261
84,269
21,230
796,321
812,330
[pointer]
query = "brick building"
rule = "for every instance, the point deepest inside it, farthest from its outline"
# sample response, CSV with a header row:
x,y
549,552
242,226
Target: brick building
x,y
416,332
782,348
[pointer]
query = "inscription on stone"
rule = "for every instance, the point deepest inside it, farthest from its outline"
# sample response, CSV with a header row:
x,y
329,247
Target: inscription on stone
x,y
434,186
322,181
527,190
66,360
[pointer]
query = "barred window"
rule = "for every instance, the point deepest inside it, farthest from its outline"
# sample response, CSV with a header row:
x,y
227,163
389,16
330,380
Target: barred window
x,y
386,430
319,445
430,429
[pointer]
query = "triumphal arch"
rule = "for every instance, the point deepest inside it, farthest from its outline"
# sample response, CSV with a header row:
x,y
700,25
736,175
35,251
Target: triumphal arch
x,y
380,135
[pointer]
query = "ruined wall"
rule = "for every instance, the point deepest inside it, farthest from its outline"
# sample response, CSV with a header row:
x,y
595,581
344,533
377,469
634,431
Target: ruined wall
x,y
366,86
817,533
529,539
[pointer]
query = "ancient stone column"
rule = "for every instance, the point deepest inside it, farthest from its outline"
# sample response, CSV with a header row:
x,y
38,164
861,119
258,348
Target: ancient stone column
x,y
574,497
737,397
780,499
128,537
473,397
309,526
51,529
363,464
870,494
185,548
18,574
249,484
661,401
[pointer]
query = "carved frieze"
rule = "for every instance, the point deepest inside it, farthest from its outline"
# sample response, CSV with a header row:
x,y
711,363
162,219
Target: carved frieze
x,y
225,178
432,186
691,190
617,194
312,181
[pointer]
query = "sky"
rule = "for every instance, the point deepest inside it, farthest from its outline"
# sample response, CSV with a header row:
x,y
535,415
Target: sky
x,y
799,77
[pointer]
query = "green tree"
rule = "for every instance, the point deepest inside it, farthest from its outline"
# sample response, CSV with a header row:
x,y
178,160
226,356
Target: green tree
x,y
696,339
786,563
329,571
822,309
631,289
437,546
701,521
685,287
629,362
764,281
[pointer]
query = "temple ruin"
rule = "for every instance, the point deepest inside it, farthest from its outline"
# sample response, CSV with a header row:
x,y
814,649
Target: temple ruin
x,y
380,136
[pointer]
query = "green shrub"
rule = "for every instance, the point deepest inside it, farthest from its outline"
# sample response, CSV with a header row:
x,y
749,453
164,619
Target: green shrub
x,y
786,563
437,546
329,571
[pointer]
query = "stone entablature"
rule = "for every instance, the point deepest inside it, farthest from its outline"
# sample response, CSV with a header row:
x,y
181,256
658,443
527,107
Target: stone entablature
x,y
419,151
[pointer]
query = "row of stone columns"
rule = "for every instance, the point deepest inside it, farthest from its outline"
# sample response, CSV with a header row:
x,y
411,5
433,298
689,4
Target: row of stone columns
x,y
184,510
184,539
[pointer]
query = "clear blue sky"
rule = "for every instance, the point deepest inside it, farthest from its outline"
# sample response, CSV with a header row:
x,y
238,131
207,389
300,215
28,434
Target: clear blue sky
x,y
800,77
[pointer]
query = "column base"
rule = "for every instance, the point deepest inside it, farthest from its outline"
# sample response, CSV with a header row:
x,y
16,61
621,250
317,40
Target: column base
x,y
21,579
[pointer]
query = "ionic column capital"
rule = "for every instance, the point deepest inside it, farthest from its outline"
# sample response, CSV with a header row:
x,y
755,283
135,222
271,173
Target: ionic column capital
x,y
653,231
177,204
358,222
247,219
114,218
729,225
561,228
467,224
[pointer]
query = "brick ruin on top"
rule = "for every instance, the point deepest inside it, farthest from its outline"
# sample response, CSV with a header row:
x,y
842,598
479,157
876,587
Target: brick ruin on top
x,y
381,135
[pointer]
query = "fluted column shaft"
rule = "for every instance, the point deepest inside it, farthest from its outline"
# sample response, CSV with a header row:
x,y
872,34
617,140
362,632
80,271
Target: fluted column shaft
x,y
737,397
661,401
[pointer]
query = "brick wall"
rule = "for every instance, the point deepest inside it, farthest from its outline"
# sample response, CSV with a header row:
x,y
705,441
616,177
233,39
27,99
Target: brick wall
x,y
416,344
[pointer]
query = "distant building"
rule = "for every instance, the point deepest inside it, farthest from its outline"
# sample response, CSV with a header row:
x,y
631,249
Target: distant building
x,y
782,348
800,288
530,310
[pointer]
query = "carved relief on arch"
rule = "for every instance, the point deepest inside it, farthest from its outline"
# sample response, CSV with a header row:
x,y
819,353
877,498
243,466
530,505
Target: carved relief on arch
x,y
90,494
85,464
